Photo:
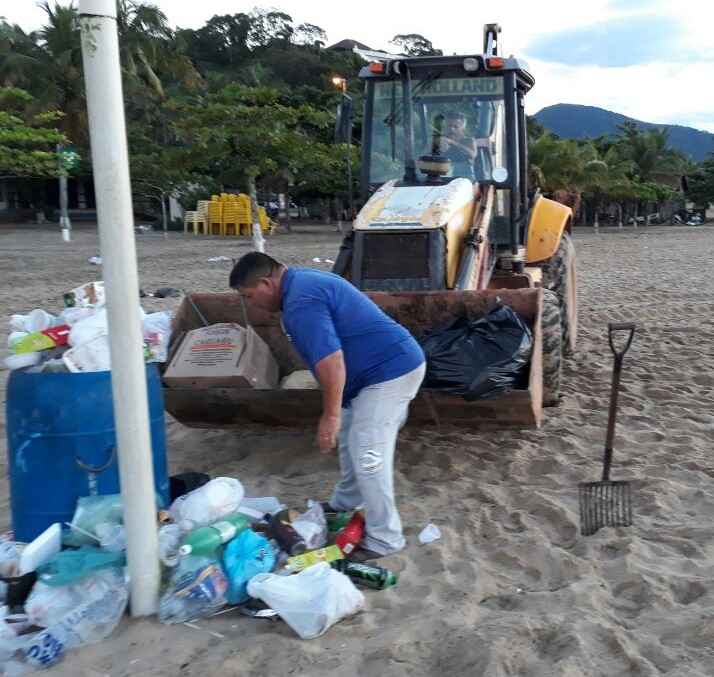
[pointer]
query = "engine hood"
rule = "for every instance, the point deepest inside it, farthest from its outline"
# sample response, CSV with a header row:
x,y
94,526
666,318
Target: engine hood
x,y
404,207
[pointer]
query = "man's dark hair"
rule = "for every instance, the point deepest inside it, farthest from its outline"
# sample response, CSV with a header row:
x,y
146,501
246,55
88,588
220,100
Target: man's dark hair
x,y
250,268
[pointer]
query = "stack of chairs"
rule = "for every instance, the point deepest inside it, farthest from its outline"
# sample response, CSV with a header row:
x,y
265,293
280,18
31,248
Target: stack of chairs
x,y
200,219
215,216
225,214
189,220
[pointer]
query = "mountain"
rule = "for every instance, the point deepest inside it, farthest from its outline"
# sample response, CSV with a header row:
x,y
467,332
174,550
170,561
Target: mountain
x,y
570,121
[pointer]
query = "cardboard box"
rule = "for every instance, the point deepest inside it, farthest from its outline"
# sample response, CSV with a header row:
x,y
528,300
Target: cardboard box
x,y
223,356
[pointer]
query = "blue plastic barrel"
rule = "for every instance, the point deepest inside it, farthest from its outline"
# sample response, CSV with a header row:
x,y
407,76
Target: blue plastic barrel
x,y
62,444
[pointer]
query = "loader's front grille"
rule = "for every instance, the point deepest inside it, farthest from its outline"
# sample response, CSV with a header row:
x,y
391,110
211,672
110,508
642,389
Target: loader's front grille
x,y
394,256
409,261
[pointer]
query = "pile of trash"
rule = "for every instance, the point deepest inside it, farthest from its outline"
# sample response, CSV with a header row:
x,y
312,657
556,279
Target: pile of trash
x,y
70,587
77,339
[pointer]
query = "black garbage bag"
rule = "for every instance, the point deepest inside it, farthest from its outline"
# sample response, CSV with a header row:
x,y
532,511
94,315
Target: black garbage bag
x,y
481,358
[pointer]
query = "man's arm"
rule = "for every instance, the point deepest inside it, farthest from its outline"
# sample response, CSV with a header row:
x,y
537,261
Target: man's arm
x,y
467,145
330,373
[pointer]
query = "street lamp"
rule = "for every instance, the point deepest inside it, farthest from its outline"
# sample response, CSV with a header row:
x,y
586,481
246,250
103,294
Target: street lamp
x,y
340,83
345,125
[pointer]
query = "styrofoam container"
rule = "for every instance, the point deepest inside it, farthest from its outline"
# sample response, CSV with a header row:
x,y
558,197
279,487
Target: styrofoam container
x,y
43,548
21,361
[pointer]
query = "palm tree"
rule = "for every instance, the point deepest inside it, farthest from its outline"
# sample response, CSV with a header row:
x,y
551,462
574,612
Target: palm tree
x,y
149,52
654,164
61,66
18,56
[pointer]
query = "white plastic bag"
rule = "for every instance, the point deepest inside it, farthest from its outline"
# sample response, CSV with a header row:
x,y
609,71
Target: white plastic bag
x,y
90,356
157,332
312,526
48,604
92,621
158,322
9,558
203,506
37,320
311,601
89,328
71,316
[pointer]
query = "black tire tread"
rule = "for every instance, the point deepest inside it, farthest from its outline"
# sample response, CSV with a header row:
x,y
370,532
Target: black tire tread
x,y
552,336
555,278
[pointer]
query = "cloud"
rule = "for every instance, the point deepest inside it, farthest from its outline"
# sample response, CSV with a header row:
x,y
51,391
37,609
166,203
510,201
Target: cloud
x,y
617,42
635,5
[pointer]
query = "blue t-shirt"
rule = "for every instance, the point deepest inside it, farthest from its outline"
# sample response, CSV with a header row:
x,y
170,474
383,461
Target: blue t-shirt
x,y
324,313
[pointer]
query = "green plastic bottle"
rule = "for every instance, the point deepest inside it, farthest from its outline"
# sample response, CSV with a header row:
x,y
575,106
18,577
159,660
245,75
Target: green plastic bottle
x,y
369,576
206,540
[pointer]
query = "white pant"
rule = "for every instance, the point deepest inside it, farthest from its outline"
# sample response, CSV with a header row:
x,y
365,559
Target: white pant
x,y
367,441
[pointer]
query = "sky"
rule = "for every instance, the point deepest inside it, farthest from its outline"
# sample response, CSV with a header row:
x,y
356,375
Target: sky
x,y
652,60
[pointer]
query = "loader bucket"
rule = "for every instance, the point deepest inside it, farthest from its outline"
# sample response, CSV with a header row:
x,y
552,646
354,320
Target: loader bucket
x,y
221,407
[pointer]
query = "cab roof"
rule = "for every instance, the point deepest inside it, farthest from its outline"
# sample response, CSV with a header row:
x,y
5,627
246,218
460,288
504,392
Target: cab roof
x,y
454,64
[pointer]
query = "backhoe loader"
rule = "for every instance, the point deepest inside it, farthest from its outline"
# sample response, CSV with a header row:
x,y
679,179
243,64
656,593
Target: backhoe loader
x,y
448,227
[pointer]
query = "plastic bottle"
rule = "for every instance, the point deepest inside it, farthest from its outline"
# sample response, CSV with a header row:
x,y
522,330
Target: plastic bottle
x,y
337,521
206,540
197,588
286,536
369,576
352,534
207,504
307,559
169,543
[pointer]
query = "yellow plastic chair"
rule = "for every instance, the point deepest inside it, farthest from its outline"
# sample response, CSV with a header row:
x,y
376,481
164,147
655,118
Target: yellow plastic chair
x,y
230,219
188,220
215,218
201,218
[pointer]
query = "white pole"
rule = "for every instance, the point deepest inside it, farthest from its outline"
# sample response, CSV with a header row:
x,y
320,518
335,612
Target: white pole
x,y
105,103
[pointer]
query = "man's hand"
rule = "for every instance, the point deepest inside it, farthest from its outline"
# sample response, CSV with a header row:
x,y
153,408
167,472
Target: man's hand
x,y
327,431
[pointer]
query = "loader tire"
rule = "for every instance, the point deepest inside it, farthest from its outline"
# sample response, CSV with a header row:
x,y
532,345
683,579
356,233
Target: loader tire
x,y
552,335
559,276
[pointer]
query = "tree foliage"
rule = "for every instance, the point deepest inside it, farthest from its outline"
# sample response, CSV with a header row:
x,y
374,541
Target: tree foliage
x,y
413,44
247,99
28,136
701,183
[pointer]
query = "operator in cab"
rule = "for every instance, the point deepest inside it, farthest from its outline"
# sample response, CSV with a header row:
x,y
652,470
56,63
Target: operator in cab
x,y
369,368
458,146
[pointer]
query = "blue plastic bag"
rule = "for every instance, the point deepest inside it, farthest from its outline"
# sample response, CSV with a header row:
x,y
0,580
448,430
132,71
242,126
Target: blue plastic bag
x,y
70,566
247,555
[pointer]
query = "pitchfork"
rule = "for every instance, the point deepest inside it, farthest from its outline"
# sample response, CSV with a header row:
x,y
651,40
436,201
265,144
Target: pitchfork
x,y
607,503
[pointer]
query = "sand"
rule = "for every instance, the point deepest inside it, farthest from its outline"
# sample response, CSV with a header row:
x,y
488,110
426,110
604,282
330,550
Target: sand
x,y
511,588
